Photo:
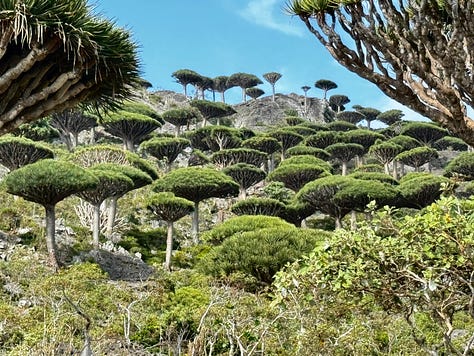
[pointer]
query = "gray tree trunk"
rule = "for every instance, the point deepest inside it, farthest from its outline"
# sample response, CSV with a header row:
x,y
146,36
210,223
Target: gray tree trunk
x,y
169,245
195,224
96,227
344,168
50,235
111,216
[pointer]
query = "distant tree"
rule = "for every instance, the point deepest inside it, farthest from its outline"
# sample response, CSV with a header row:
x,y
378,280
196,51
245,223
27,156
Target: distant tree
x,y
323,139
214,138
302,130
165,206
345,152
286,138
139,180
378,176
110,183
220,85
165,148
341,126
353,117
56,55
295,176
450,143
205,83
406,142
325,85
370,114
38,130
425,132
264,143
132,128
417,157
70,123
254,92
180,117
244,81
385,152
363,137
16,152
337,102
295,212
294,120
272,78
419,190
47,182
390,117
307,160
462,165
185,77
245,175
305,89
321,194
299,150
197,184
211,110
258,206
228,157
197,158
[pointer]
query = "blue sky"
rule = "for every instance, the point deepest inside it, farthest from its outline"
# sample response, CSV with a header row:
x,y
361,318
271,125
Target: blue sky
x,y
222,37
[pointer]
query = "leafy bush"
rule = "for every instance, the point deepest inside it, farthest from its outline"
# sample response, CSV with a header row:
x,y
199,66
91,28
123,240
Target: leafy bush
x,y
258,255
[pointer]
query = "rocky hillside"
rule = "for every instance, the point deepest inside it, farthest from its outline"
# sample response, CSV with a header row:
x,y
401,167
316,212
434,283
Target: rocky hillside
x,y
254,114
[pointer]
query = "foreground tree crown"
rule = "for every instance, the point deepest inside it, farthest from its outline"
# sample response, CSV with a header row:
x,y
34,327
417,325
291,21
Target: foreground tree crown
x,y
418,53
57,54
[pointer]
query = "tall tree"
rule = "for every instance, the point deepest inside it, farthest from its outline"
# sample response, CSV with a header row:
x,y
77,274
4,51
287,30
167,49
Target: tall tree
x,y
389,44
272,78
245,175
305,89
165,206
47,182
110,183
254,92
57,54
244,81
70,123
221,86
197,184
370,114
16,152
180,117
325,85
337,102
211,110
167,148
131,127
185,77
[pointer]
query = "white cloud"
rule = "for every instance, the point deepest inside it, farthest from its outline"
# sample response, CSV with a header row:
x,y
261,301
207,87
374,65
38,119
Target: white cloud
x,y
264,13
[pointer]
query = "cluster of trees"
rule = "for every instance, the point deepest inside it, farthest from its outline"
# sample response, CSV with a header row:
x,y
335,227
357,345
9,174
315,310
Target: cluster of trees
x,y
401,282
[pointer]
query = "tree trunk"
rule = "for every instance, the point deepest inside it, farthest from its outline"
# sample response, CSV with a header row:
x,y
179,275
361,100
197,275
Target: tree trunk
x,y
92,141
50,235
169,245
244,96
273,92
353,220
242,193
338,222
178,130
129,146
395,169
344,168
386,168
75,139
111,216
96,227
195,223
